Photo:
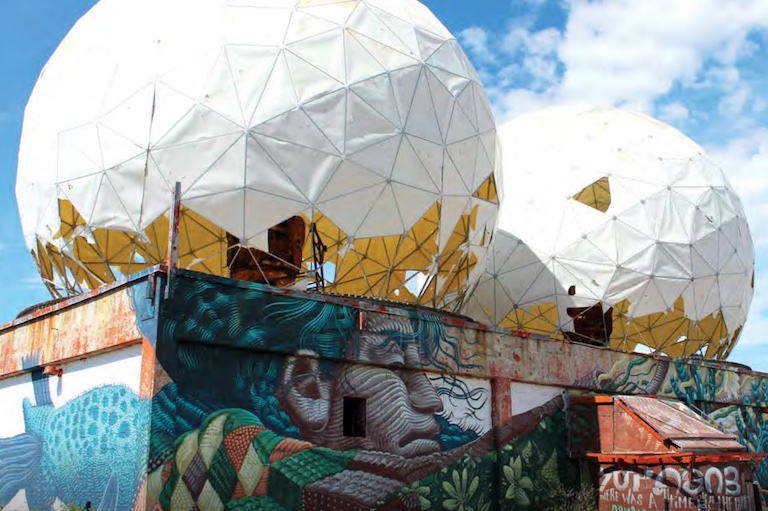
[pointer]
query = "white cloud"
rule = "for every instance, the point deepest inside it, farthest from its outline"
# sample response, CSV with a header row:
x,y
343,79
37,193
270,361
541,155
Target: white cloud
x,y
541,68
674,113
475,40
628,53
720,76
745,162
757,322
543,42
623,50
510,103
735,102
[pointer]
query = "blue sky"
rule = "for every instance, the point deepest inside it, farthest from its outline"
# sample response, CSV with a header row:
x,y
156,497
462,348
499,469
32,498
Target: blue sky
x,y
699,65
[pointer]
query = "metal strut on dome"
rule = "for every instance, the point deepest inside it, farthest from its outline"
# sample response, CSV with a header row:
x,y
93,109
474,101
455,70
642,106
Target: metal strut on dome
x,y
172,255
318,257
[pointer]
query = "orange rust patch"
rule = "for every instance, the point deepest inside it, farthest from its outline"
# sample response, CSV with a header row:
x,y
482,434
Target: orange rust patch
x,y
104,322
147,370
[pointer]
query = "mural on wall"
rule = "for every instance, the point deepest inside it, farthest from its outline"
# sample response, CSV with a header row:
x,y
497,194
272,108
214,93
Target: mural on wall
x,y
709,391
252,402
85,450
254,411
233,461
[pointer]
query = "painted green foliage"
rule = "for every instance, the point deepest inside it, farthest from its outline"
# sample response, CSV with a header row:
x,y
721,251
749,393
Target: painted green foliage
x,y
521,475
236,455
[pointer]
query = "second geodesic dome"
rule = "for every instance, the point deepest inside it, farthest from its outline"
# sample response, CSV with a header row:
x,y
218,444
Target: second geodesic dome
x,y
358,128
618,224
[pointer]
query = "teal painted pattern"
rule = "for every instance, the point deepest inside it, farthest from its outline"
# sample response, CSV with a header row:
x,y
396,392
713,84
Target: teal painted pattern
x,y
89,449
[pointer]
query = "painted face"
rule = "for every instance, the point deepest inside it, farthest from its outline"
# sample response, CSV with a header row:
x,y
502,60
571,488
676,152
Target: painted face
x,y
400,400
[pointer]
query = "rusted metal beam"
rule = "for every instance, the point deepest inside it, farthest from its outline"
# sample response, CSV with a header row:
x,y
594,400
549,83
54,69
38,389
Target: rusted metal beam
x,y
675,458
172,256
587,400
82,297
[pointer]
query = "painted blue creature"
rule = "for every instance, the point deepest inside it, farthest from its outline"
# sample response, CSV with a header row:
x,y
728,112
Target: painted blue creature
x,y
87,450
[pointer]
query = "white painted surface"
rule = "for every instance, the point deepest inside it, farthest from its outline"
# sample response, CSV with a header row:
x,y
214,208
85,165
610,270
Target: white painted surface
x,y
670,231
368,112
13,391
18,502
121,367
459,410
116,367
526,396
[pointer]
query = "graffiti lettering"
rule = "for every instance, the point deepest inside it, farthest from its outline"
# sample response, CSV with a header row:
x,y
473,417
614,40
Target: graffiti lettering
x,y
714,480
694,483
732,481
717,475
712,487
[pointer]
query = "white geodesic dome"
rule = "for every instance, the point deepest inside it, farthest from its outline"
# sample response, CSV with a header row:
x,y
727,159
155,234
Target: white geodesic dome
x,y
616,213
364,118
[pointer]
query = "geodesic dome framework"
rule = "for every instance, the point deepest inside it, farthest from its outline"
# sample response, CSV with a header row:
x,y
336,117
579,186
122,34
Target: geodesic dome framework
x,y
363,118
620,224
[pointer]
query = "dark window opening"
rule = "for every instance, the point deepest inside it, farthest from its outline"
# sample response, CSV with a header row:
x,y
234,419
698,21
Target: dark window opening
x,y
590,324
354,417
280,266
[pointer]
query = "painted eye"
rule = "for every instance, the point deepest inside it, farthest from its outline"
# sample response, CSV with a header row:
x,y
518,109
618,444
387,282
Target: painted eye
x,y
396,366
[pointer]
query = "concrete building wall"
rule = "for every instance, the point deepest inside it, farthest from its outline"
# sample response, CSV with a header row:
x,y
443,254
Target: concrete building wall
x,y
272,370
238,392
74,426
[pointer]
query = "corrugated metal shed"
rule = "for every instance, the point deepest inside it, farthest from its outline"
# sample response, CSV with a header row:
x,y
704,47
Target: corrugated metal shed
x,y
678,425
644,429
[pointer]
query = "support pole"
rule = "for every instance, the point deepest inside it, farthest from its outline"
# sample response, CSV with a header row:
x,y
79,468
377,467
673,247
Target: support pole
x,y
172,255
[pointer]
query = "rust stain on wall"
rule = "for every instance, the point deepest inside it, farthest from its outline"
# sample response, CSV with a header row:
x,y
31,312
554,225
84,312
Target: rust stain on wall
x,y
146,386
106,321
